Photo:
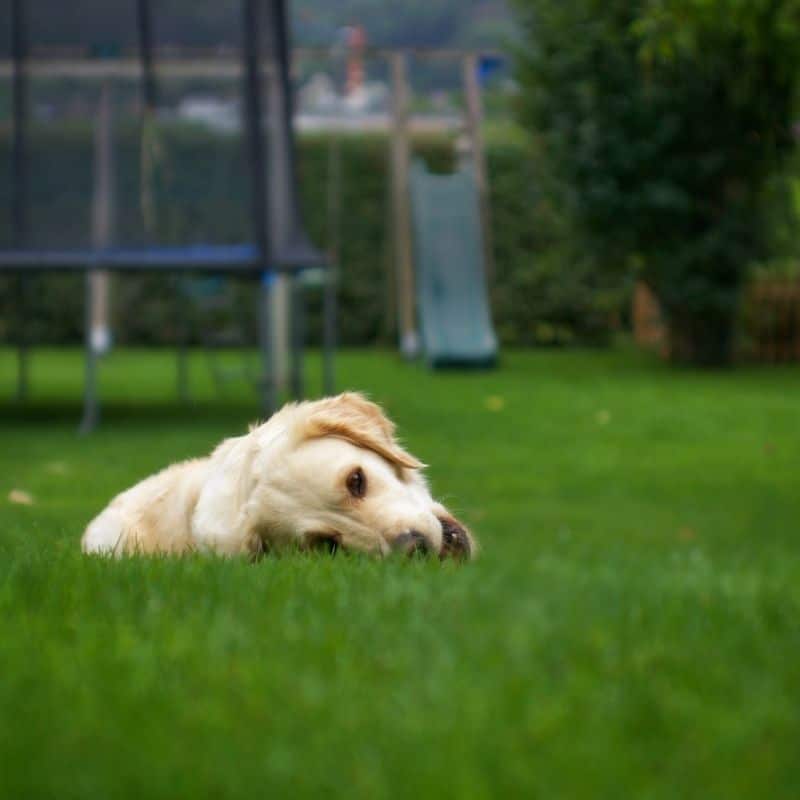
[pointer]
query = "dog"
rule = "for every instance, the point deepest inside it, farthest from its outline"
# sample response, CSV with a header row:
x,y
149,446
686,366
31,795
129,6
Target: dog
x,y
324,474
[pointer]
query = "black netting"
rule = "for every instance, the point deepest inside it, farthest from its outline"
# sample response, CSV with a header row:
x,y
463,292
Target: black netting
x,y
181,175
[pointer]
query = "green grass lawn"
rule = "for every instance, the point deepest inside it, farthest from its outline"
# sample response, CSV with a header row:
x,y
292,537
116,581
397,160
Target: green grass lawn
x,y
631,629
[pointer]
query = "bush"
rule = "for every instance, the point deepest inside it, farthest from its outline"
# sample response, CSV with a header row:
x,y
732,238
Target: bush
x,y
544,292
657,127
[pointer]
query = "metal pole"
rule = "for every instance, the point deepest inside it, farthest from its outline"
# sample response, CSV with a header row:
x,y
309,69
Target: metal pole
x,y
472,91
329,330
282,59
334,250
102,217
19,211
298,335
259,210
182,370
266,383
91,411
401,212
96,293
281,179
144,19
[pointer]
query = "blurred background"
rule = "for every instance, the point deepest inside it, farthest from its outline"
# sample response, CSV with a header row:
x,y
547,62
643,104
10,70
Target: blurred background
x,y
641,176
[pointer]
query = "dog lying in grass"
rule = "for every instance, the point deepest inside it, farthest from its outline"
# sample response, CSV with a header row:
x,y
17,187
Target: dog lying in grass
x,y
325,474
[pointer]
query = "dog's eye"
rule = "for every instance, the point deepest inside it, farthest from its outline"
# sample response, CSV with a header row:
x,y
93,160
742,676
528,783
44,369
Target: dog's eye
x,y
357,482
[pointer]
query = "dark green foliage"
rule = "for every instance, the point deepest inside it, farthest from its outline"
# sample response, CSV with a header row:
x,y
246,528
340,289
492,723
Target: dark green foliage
x,y
657,128
542,293
200,191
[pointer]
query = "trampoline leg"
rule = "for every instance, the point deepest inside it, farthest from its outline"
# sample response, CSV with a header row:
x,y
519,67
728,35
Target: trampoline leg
x,y
22,345
298,336
266,383
182,373
329,331
182,350
22,373
91,409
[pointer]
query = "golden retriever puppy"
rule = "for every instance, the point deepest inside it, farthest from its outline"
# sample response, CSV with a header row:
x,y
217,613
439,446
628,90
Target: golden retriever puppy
x,y
328,473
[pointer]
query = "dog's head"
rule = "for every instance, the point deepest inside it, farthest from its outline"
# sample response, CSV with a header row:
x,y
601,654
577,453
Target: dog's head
x,y
331,474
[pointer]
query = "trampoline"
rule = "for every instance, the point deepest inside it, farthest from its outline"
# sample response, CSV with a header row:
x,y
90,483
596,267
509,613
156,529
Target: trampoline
x,y
278,245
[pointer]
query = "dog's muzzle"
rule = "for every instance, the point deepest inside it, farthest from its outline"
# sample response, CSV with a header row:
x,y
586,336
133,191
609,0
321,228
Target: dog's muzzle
x,y
455,540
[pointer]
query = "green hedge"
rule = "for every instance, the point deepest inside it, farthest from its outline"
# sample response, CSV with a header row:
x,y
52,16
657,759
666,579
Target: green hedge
x,y
540,294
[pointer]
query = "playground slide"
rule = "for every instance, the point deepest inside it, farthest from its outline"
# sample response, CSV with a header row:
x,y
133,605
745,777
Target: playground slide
x,y
455,320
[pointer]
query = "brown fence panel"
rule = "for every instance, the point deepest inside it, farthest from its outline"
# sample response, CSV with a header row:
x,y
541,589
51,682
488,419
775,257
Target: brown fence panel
x,y
769,320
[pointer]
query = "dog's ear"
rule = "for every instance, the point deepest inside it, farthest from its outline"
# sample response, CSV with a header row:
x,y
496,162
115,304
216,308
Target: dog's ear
x,y
351,416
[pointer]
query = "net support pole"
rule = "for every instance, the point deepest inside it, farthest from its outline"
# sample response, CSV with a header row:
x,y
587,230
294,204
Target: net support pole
x,y
182,370
329,329
297,336
144,21
334,206
281,178
266,382
259,199
103,204
19,211
401,212
91,407
96,333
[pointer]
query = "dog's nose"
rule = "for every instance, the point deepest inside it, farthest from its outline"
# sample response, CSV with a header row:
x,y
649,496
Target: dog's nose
x,y
412,543
455,540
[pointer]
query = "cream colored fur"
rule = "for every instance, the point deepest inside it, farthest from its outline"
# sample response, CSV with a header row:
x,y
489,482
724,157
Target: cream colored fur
x,y
285,482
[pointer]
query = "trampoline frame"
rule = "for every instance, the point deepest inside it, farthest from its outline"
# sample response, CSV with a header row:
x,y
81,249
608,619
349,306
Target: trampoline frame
x,y
259,260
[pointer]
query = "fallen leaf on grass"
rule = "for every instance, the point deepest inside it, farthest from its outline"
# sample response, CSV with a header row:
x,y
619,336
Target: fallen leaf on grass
x,y
20,498
495,403
603,417
57,467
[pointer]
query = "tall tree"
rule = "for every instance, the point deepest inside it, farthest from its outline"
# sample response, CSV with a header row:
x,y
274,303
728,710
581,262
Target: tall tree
x,y
657,125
